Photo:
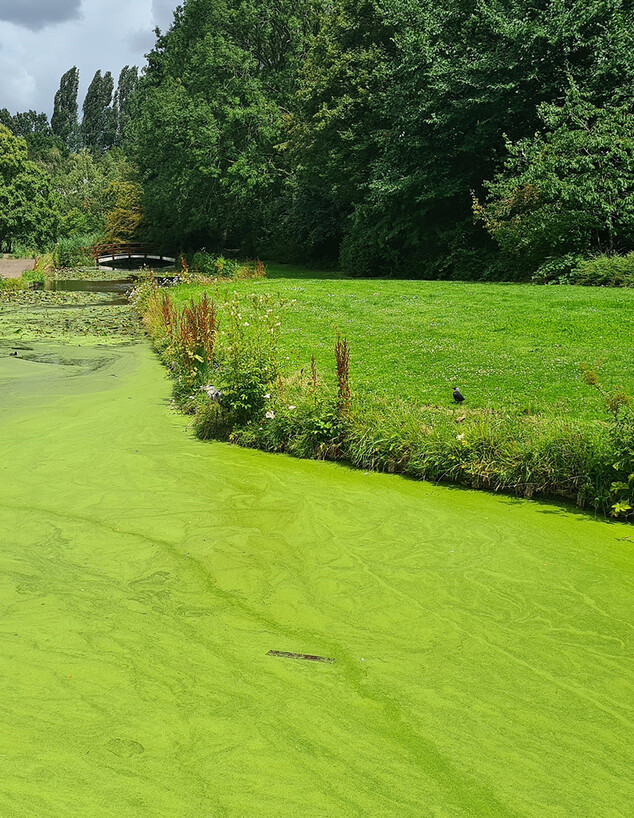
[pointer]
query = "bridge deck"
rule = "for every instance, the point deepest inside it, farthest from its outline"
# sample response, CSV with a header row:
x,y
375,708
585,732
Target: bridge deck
x,y
132,251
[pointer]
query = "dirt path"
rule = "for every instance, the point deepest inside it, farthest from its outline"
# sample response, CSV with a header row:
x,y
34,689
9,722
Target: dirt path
x,y
14,267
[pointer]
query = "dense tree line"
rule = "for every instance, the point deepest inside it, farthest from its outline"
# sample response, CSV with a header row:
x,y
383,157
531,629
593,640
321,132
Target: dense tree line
x,y
391,135
69,177
436,138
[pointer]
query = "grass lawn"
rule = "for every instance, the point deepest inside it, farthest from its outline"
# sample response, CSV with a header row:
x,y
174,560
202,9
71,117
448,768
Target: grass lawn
x,y
507,346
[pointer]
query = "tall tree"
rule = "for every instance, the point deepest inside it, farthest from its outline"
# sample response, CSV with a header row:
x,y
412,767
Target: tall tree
x,y
128,83
98,126
210,116
567,189
64,119
406,106
27,207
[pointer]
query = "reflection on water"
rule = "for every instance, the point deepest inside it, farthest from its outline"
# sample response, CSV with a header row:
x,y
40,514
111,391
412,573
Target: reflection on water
x,y
117,287
121,285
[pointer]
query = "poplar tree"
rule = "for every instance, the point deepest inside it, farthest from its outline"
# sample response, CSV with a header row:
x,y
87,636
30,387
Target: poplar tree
x,y
128,83
64,119
98,127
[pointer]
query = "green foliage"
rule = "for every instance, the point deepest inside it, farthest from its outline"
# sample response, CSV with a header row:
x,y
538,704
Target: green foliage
x,y
10,286
404,112
87,190
568,188
74,250
618,405
99,122
124,221
557,270
35,276
64,122
605,271
209,119
249,365
126,88
27,210
209,264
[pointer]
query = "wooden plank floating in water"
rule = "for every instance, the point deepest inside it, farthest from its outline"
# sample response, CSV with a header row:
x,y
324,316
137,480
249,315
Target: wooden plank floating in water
x,y
304,656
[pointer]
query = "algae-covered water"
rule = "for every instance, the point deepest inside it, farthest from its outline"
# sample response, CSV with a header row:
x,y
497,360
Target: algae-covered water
x,y
482,645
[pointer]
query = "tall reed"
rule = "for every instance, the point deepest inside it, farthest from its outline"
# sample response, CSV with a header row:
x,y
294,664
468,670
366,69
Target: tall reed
x,y
342,355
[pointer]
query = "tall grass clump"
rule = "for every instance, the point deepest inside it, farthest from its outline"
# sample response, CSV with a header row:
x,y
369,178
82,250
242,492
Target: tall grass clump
x,y
342,357
209,266
185,339
605,271
11,286
74,251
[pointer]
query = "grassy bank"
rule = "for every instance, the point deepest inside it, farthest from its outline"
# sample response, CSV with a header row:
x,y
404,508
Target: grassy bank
x,y
508,347
531,425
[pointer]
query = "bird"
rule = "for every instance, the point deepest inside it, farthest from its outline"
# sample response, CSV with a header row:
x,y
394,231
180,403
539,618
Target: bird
x,y
457,395
13,354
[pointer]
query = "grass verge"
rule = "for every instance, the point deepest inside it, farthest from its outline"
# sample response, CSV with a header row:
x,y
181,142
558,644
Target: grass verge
x,y
231,374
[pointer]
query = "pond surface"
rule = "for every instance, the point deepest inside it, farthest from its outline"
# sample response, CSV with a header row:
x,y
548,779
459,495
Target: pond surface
x,y
119,288
165,604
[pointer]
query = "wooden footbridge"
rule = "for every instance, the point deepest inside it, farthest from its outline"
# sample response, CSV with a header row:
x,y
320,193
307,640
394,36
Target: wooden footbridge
x,y
130,253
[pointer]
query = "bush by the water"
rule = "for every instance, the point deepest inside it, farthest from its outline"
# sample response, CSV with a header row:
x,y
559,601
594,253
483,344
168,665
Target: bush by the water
x,y
208,265
11,285
74,251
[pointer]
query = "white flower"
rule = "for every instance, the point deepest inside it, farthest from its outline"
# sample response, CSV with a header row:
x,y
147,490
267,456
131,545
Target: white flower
x,y
459,437
292,407
267,397
270,415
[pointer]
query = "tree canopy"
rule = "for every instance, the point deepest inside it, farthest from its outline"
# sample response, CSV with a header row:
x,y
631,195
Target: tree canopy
x,y
64,120
27,207
360,132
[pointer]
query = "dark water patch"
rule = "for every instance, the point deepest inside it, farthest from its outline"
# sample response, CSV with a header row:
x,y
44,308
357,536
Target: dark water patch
x,y
89,362
125,748
306,657
117,286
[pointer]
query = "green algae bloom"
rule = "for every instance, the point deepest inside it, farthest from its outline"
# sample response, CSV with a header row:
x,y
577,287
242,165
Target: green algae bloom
x,y
481,645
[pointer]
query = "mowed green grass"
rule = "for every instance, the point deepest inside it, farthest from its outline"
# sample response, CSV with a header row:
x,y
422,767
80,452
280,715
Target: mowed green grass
x,y
509,347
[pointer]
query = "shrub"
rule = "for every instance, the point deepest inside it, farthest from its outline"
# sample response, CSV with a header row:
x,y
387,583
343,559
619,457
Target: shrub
x,y
208,265
11,285
558,270
186,340
33,276
74,251
605,271
567,189
249,366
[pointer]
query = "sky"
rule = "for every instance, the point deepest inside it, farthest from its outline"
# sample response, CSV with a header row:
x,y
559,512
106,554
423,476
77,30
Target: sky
x,y
42,39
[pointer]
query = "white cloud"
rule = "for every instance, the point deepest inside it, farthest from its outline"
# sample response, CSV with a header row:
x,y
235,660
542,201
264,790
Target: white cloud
x,y
106,36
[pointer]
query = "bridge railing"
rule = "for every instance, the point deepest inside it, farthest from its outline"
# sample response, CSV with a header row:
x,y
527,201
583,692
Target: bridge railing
x,y
131,249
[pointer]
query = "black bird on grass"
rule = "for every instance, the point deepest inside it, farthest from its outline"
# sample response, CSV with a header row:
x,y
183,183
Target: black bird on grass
x,y
13,354
457,395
